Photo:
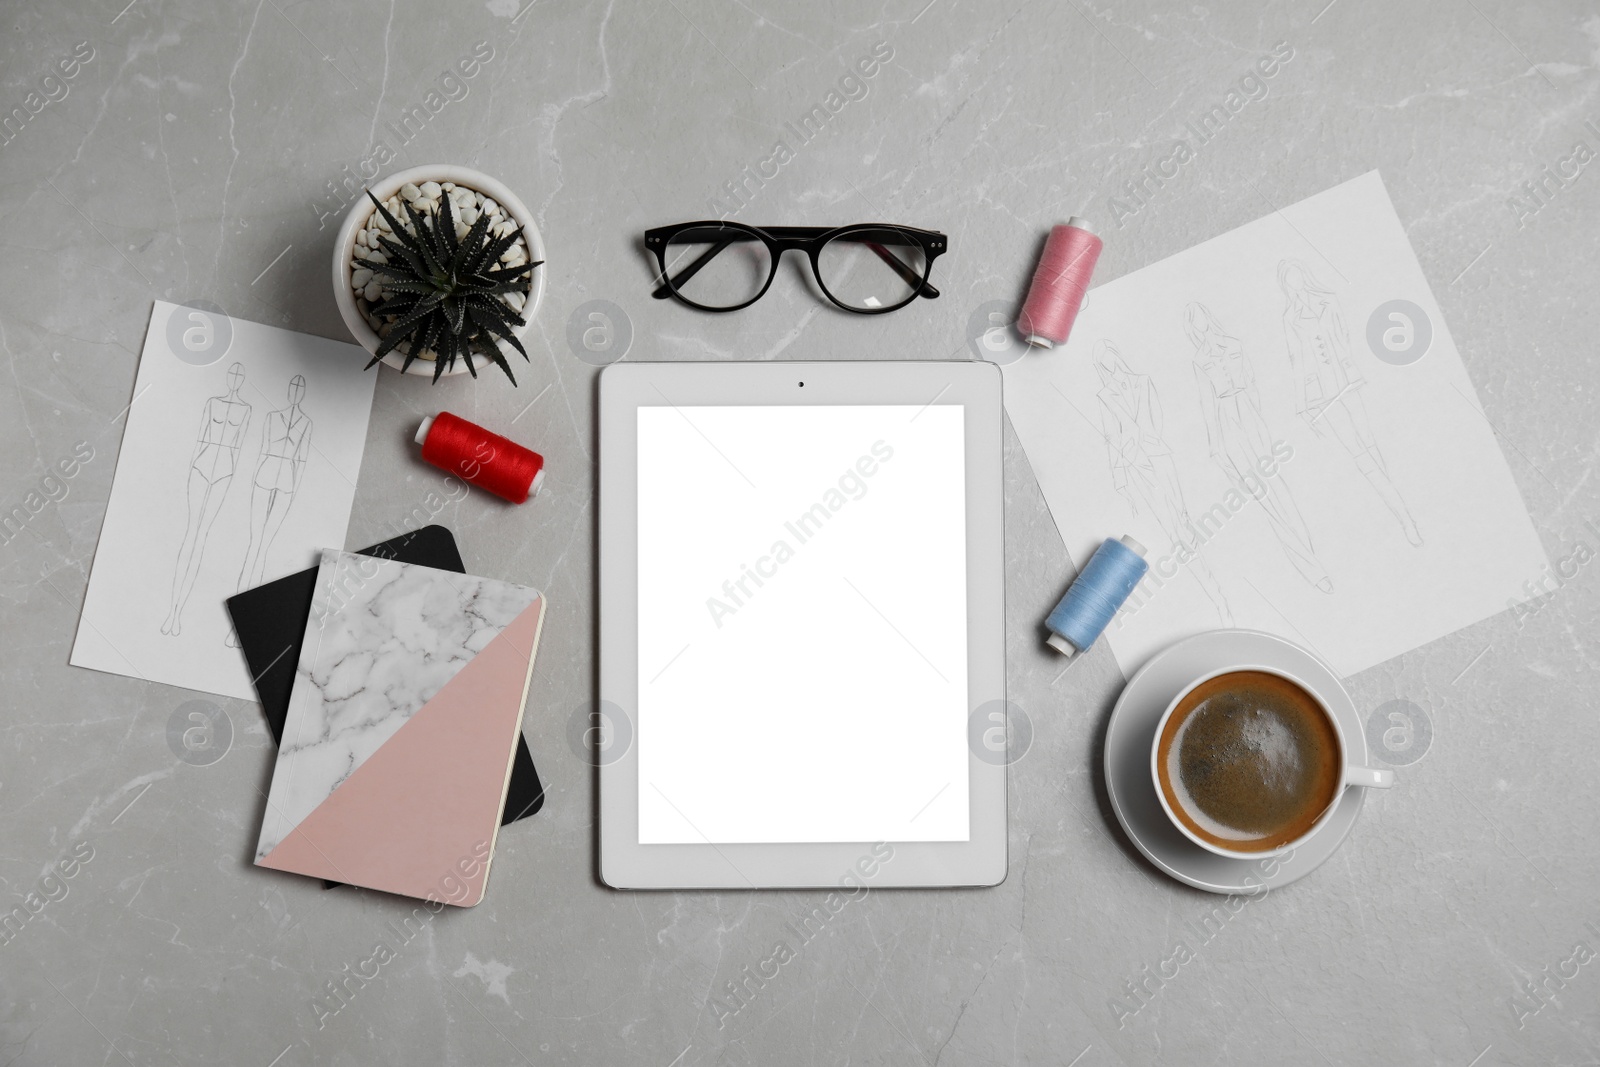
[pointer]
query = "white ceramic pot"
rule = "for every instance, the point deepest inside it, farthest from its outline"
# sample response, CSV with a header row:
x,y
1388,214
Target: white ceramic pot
x,y
362,209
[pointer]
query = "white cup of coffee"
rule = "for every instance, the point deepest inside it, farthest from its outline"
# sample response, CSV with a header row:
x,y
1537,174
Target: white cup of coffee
x,y
1250,762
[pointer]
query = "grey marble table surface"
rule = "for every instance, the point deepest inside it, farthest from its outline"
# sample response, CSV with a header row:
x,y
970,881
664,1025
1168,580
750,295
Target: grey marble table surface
x,y
198,151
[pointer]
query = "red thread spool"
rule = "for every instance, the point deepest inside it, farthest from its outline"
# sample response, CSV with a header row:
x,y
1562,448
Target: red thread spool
x,y
480,457
1062,277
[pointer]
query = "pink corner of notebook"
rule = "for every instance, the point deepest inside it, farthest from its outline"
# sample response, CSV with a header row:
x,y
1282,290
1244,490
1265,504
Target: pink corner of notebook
x,y
419,817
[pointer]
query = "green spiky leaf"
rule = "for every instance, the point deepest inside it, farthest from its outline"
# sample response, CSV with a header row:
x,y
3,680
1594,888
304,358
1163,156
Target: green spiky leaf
x,y
405,236
470,244
500,329
490,254
447,225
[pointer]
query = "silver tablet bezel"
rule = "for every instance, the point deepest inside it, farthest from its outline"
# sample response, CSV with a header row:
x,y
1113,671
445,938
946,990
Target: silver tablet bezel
x,y
624,863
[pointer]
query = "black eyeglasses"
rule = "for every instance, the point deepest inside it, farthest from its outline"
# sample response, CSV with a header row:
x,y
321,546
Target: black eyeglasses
x,y
868,268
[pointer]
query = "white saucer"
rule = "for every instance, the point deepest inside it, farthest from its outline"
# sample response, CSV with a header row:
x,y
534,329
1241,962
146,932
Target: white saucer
x,y
1132,730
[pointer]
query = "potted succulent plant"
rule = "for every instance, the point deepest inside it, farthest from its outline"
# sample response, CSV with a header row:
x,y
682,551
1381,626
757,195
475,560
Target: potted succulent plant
x,y
438,269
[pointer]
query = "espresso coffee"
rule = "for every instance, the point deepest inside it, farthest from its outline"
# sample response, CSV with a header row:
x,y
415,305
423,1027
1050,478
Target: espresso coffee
x,y
1249,761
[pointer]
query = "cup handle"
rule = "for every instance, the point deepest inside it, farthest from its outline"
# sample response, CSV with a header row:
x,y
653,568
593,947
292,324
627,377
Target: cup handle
x,y
1368,776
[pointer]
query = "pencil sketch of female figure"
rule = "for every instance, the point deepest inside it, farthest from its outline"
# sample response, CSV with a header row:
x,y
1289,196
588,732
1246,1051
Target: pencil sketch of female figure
x,y
285,444
1142,468
1327,383
1239,439
216,453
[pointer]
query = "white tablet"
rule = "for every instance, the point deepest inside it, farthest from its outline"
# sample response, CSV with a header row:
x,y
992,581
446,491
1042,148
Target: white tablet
x,y
802,625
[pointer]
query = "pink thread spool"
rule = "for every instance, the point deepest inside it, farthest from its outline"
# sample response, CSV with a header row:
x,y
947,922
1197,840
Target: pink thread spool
x,y
1059,283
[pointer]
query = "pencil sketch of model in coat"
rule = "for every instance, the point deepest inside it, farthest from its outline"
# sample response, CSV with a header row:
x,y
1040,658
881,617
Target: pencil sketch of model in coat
x,y
1328,384
1142,468
285,445
223,422
1240,441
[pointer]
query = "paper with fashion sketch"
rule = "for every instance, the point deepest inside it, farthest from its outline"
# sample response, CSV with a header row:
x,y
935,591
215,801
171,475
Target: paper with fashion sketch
x,y
235,469
1281,417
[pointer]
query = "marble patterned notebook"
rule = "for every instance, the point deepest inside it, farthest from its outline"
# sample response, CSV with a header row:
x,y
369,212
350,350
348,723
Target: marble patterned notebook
x,y
402,725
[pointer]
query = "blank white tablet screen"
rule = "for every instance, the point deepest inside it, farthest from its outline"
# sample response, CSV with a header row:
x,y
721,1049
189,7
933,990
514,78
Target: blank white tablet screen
x,y
802,624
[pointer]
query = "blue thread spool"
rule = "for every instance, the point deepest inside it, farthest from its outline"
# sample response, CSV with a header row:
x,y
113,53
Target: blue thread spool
x,y
1095,595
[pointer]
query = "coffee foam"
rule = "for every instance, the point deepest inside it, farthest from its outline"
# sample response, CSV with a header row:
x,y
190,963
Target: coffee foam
x,y
1249,761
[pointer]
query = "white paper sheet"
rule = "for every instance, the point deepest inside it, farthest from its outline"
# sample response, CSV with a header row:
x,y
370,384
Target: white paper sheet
x,y
1384,514
232,473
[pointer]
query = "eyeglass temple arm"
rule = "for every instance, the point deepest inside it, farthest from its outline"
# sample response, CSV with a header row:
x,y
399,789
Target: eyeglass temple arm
x,y
664,290
909,276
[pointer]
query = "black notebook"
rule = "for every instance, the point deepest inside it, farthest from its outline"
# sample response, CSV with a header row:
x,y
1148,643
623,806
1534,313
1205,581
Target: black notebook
x,y
270,621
